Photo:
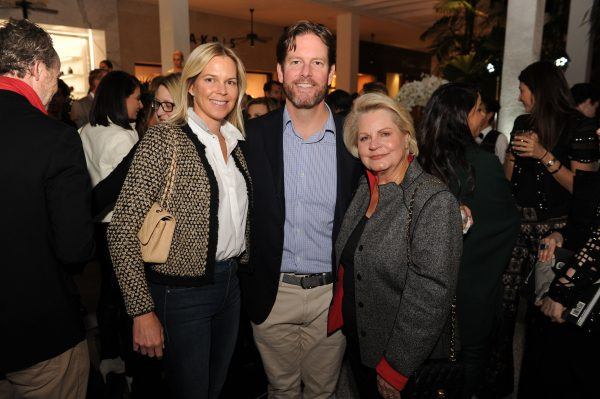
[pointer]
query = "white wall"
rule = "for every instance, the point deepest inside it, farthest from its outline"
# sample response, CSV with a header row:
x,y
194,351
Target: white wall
x,y
90,14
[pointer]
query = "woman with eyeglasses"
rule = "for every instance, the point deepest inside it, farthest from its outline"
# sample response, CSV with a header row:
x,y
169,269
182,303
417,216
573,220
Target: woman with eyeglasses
x,y
164,88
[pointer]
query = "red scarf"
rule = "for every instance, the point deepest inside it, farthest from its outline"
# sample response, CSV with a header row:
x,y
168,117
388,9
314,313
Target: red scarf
x,y
22,88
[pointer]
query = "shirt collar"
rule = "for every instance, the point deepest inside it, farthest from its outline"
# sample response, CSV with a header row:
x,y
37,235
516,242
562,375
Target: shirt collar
x,y
486,130
228,131
328,127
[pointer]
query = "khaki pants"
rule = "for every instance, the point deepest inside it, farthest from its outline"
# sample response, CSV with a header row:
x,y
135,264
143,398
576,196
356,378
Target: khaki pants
x,y
62,377
294,346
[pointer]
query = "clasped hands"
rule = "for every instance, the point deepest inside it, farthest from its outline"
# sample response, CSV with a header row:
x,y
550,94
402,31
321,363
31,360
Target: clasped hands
x,y
549,307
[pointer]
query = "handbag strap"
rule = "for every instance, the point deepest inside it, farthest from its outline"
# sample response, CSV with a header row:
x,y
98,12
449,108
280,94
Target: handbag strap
x,y
411,203
170,180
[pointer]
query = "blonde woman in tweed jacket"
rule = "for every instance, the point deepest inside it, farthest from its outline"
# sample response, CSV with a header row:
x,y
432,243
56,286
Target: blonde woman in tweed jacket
x,y
189,306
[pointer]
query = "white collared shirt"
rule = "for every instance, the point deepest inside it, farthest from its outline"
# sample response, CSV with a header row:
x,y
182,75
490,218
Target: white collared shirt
x,y
501,143
233,195
104,148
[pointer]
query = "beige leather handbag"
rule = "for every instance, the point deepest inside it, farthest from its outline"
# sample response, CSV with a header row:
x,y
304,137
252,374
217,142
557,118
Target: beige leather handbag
x,y
156,232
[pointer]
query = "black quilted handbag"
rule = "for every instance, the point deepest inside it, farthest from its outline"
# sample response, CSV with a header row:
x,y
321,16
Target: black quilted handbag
x,y
436,378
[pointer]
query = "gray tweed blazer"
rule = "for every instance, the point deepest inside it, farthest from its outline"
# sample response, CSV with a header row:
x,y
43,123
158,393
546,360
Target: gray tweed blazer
x,y
402,309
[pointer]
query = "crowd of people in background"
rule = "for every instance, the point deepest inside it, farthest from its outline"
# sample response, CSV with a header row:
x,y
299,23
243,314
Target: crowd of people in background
x,y
316,225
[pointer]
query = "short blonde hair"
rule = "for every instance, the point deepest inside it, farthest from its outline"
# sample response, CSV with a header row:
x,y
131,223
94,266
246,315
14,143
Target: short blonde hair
x,y
171,83
194,66
372,102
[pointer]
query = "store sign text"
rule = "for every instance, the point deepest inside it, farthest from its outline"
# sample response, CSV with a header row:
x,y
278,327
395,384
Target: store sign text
x,y
202,39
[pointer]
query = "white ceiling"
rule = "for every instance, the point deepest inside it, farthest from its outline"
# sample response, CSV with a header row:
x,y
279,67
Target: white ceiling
x,y
394,22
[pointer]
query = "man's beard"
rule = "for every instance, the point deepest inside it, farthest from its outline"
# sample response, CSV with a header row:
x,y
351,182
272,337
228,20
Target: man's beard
x,y
304,101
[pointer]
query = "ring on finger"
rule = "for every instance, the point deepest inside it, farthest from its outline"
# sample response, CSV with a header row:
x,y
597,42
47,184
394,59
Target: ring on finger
x,y
543,246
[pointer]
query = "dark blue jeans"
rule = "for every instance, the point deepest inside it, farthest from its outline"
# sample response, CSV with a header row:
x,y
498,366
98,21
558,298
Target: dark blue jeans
x,y
201,327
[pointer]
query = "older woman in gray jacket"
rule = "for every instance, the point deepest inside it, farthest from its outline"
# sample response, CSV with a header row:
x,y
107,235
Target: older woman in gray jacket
x,y
398,253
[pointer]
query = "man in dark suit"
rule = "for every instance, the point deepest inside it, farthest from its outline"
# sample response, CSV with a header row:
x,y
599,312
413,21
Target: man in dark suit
x,y
488,138
303,180
47,231
80,110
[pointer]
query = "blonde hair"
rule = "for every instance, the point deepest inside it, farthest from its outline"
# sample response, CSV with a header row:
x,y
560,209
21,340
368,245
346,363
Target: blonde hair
x,y
372,102
194,66
170,81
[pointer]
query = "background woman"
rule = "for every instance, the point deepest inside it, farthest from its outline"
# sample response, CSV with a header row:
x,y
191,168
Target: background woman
x,y
165,89
191,303
548,144
161,104
107,138
393,311
451,120
260,106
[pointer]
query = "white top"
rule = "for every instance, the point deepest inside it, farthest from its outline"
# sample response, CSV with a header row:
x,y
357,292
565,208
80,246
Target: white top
x,y
233,195
104,148
501,143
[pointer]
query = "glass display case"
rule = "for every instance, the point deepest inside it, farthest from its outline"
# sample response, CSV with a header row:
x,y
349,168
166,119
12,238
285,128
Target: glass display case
x,y
80,50
75,63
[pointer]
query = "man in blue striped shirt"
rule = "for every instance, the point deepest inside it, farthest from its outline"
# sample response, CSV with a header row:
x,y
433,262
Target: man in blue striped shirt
x,y
303,179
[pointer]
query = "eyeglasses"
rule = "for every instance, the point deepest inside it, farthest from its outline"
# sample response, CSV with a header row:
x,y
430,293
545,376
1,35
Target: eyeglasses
x,y
165,105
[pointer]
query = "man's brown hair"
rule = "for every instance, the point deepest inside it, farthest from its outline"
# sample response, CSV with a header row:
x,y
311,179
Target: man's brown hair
x,y
287,41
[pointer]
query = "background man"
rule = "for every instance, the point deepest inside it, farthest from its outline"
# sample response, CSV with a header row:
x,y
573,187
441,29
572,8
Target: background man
x,y
107,65
587,98
177,62
490,139
43,352
80,109
303,180
274,89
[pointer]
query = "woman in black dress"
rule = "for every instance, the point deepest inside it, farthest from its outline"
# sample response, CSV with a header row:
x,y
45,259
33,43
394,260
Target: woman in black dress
x,y
548,144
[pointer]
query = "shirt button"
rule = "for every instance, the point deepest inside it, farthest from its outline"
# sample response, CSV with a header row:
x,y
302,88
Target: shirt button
x,y
358,276
361,305
360,248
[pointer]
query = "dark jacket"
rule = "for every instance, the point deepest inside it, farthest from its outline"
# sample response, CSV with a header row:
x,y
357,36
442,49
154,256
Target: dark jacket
x,y
487,247
404,307
264,154
47,234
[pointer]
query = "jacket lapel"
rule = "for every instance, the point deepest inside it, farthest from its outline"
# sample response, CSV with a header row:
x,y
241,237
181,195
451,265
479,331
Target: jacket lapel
x,y
273,145
346,165
356,210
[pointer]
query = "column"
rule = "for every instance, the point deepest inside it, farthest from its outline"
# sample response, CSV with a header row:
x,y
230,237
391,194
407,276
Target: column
x,y
348,32
174,16
522,46
579,45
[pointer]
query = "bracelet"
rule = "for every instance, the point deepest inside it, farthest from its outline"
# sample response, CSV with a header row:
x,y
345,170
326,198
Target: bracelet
x,y
542,157
557,169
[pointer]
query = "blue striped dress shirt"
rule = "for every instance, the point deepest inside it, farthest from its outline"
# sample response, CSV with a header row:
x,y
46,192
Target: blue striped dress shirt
x,y
310,183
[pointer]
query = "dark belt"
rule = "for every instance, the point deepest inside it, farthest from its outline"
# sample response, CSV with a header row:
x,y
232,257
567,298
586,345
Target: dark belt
x,y
308,281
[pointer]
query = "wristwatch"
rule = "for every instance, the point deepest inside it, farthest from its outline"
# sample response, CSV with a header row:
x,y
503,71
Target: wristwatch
x,y
550,163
